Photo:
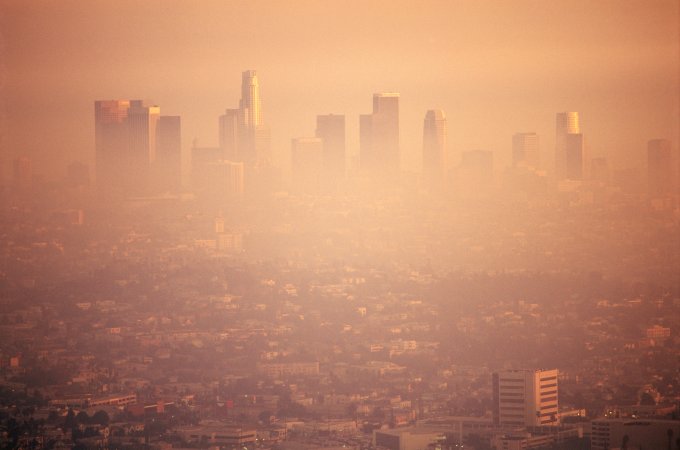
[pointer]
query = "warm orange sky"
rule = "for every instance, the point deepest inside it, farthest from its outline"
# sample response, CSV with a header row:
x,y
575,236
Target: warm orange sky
x,y
495,67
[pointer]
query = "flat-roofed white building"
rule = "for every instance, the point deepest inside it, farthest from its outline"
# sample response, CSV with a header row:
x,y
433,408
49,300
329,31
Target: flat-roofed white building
x,y
525,397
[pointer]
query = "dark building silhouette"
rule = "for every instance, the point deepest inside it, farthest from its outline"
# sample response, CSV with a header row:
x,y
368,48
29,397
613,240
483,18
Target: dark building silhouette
x,y
434,148
566,124
379,136
574,157
133,148
242,133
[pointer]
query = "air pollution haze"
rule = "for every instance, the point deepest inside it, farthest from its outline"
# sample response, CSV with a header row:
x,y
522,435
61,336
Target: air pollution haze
x,y
495,68
379,225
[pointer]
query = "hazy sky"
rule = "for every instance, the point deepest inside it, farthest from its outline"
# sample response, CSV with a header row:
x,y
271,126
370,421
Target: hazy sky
x,y
495,67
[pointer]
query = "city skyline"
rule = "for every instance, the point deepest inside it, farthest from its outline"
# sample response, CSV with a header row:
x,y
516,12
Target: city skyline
x,y
622,112
369,225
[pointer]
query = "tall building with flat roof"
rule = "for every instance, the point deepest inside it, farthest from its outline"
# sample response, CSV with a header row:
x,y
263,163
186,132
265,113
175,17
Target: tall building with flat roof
x,y
127,151
634,433
229,134
434,147
574,157
567,123
379,135
525,397
525,151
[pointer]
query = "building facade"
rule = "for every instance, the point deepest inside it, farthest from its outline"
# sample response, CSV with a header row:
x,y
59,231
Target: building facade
x,y
567,123
379,136
434,147
525,397
136,151
525,151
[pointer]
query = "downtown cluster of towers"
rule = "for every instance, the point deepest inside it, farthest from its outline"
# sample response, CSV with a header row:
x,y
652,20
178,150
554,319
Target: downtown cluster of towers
x,y
138,151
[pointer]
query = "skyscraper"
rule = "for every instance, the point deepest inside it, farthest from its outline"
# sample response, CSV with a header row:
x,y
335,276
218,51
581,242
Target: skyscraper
x,y
434,147
249,105
659,168
111,142
525,397
126,145
229,134
574,157
379,135
525,150
253,135
567,123
243,137
330,129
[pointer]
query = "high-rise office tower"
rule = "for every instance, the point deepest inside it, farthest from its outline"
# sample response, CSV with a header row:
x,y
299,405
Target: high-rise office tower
x,y
249,105
229,134
330,128
574,157
525,150
659,168
366,157
307,164
567,123
253,135
525,397
126,145
243,137
379,135
168,164
111,143
434,147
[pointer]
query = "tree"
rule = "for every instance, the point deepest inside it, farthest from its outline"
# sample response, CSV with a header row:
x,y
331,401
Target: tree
x,y
70,420
100,417
82,418
647,399
669,433
624,442
264,416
